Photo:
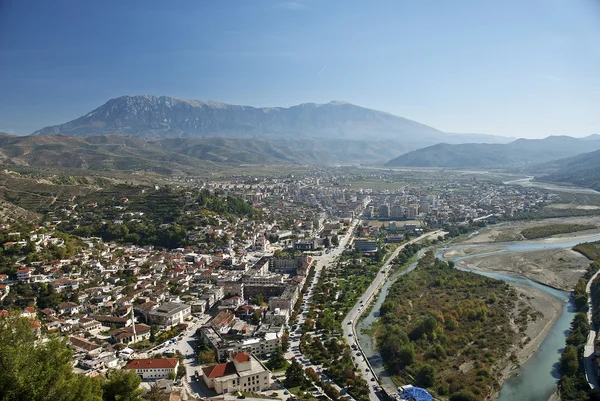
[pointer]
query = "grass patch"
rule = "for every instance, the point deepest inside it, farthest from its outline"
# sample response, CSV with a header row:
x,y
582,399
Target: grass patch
x,y
553,229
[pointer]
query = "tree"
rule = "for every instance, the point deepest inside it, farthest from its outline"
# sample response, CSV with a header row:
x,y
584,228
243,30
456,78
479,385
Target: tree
x,y
568,361
276,361
405,356
122,385
334,240
463,395
172,375
153,330
39,372
206,357
426,375
285,341
294,375
312,375
155,394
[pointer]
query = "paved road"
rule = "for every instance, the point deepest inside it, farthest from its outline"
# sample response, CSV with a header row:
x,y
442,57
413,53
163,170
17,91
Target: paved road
x,y
588,352
186,345
349,322
320,263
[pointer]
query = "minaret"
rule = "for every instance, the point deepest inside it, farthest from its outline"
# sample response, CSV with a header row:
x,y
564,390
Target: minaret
x,y
133,323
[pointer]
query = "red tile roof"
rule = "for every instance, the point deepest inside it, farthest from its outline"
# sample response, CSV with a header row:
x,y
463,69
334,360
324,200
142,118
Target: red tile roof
x,y
241,357
220,370
160,363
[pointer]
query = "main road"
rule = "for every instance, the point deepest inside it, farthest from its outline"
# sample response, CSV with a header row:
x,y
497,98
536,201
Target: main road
x,y
589,359
320,263
349,322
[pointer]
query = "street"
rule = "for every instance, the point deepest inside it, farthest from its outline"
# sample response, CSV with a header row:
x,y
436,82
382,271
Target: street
x,y
349,322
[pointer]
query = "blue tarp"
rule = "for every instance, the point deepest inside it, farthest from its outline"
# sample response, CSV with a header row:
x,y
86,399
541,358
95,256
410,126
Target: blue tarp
x,y
416,394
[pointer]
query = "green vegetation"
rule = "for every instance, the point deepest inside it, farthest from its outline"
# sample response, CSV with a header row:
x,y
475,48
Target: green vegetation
x,y
573,384
447,329
33,371
590,250
277,361
553,229
165,216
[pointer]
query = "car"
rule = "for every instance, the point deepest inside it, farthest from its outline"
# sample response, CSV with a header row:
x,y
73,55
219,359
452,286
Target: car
x,y
286,392
366,369
372,379
350,335
358,354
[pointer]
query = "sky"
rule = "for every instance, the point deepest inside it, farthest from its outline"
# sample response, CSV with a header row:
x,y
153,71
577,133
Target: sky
x,y
519,68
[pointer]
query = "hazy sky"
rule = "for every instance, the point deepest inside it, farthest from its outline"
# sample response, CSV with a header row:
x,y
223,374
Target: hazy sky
x,y
528,68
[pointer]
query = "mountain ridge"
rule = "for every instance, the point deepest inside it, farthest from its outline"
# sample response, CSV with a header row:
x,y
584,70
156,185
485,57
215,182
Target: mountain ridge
x,y
520,153
156,117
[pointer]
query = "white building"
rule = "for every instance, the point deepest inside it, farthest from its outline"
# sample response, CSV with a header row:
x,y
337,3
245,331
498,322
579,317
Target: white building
x,y
153,369
244,373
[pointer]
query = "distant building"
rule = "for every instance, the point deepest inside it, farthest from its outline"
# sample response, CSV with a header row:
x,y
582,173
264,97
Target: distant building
x,y
363,245
384,211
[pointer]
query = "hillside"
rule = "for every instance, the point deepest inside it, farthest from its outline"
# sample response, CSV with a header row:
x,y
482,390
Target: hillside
x,y
335,132
520,153
581,170
170,155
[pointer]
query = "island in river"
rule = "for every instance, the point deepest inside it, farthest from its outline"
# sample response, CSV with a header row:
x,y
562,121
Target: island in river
x,y
459,333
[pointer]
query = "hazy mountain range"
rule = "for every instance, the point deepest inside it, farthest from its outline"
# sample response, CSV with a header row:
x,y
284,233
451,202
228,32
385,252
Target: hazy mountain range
x,y
335,132
166,135
521,153
581,170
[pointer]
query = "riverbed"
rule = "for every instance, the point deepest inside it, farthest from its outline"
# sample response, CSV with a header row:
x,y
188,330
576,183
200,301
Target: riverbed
x,y
537,378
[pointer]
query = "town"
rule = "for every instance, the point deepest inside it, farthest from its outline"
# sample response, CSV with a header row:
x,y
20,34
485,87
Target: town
x,y
218,297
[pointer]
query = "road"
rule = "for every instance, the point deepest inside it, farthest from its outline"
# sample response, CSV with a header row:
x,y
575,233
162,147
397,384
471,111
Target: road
x,y
349,322
588,352
186,345
320,263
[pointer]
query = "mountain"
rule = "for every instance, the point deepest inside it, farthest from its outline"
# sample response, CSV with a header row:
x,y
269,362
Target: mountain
x,y
336,128
582,170
170,155
520,153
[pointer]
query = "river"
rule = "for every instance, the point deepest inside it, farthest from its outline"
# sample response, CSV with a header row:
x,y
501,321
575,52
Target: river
x,y
528,182
538,377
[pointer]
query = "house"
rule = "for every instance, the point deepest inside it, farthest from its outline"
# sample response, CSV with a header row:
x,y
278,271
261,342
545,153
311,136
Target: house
x,y
244,373
24,274
153,369
125,335
109,321
169,314
68,308
28,312
90,325
83,345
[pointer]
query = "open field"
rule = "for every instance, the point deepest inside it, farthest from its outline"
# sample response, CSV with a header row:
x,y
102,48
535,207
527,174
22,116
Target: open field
x,y
511,231
559,268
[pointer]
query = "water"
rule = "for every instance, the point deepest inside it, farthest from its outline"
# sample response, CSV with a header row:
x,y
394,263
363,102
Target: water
x,y
366,342
538,377
527,182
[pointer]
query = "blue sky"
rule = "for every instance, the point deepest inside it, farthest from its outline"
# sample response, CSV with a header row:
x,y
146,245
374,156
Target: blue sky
x,y
506,67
